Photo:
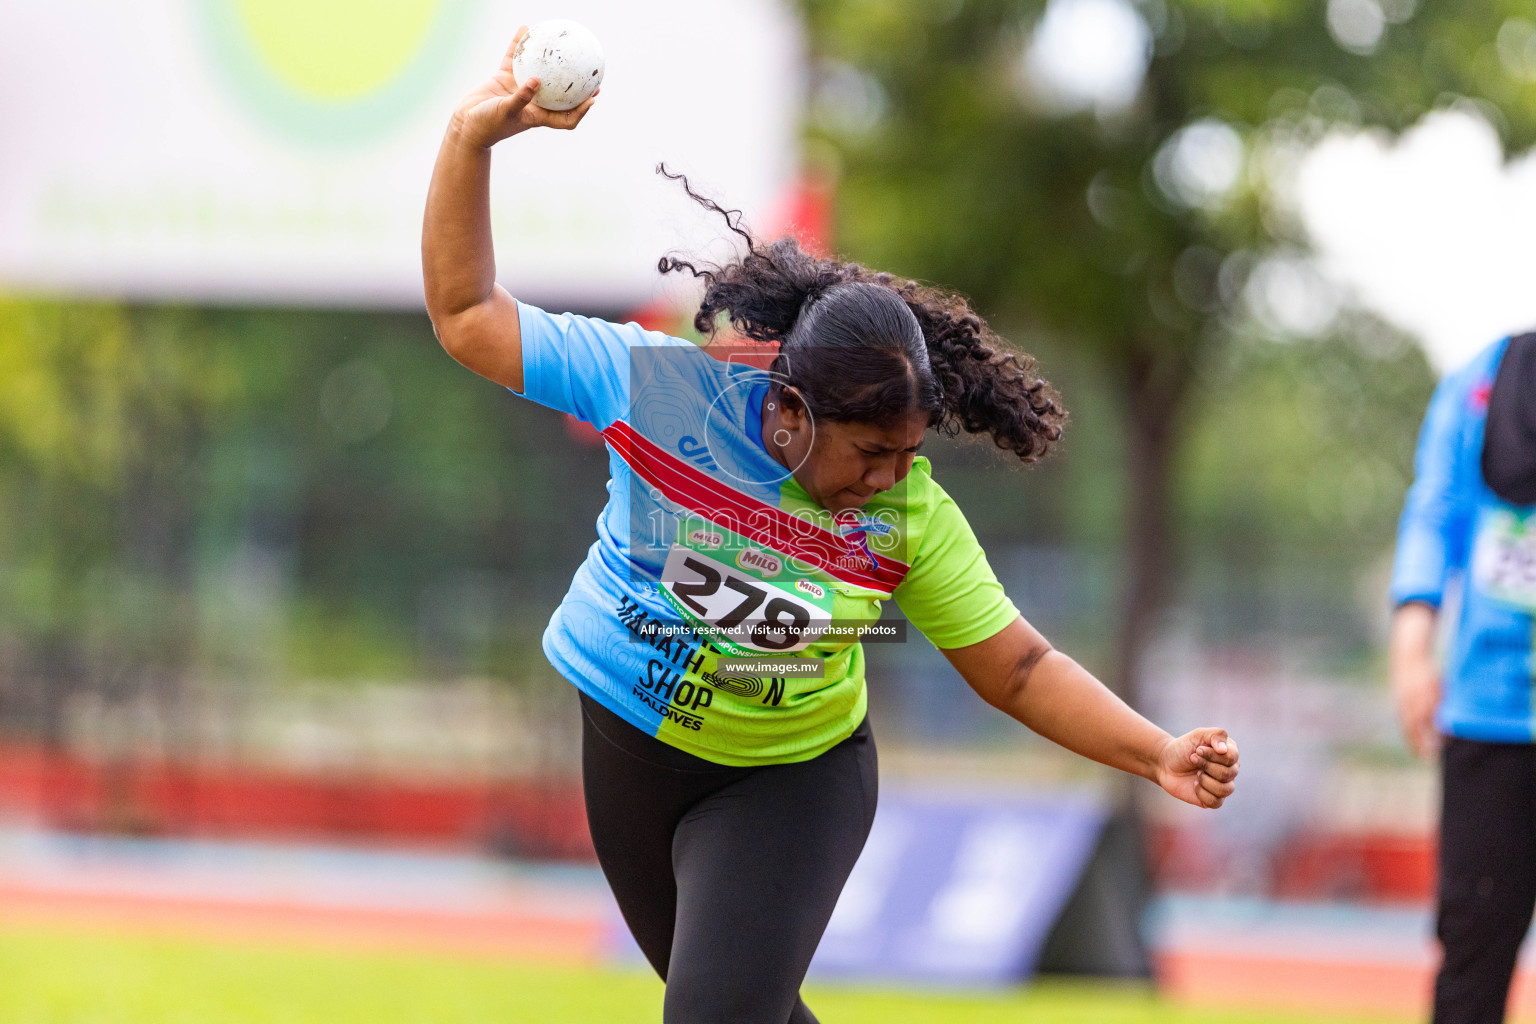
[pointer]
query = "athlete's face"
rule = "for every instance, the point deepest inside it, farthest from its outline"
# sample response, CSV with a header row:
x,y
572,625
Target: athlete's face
x,y
843,465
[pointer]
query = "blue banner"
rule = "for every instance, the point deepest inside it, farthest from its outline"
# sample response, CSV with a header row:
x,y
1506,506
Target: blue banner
x,y
959,886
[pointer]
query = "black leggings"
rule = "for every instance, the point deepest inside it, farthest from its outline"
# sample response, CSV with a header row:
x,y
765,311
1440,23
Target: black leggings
x,y
1487,875
726,876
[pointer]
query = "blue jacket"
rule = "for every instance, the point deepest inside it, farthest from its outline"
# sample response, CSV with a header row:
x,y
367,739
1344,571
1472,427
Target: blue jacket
x,y
1454,527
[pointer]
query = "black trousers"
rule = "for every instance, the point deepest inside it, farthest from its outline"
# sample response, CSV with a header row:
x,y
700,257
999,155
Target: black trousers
x,y
726,876
1487,875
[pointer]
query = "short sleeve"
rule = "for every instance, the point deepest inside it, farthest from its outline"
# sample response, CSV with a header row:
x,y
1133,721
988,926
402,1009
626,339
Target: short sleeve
x,y
951,593
579,364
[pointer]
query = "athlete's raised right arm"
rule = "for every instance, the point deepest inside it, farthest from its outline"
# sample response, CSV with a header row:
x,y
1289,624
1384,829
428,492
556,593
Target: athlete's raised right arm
x,y
475,318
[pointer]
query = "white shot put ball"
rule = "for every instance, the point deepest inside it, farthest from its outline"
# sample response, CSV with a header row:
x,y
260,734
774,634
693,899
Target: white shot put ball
x,y
565,58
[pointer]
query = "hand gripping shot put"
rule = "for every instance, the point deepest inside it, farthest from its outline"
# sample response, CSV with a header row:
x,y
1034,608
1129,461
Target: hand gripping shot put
x,y
729,805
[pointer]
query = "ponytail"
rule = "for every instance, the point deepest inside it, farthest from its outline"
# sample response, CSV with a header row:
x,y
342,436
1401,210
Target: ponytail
x,y
764,291
988,389
867,347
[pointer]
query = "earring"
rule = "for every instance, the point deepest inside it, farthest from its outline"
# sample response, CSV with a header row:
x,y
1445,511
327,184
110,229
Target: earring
x,y
781,437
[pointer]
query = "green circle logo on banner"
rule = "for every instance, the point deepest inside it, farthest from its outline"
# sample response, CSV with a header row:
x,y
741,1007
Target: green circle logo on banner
x,y
333,71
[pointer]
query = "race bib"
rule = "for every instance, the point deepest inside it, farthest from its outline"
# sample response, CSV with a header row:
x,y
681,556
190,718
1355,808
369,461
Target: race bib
x,y
746,599
1504,559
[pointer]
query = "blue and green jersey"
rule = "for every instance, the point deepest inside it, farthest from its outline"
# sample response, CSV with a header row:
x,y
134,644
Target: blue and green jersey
x,y
709,549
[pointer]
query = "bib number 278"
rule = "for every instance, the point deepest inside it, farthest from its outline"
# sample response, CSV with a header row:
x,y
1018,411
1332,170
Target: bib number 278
x,y
740,608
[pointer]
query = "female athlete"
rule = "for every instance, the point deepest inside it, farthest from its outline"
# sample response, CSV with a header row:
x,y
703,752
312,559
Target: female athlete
x,y
757,514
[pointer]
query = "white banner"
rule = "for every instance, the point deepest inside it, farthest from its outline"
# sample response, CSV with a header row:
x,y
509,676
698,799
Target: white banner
x,y
278,151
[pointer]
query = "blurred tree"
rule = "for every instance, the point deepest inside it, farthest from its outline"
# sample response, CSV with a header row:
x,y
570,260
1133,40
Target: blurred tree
x,y
1111,174
1292,476
99,424
266,493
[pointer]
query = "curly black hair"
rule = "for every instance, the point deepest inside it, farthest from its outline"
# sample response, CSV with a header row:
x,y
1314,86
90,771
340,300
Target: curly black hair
x,y
862,346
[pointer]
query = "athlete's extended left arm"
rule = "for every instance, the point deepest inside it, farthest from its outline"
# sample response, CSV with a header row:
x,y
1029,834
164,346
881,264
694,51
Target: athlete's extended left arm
x,y
1022,675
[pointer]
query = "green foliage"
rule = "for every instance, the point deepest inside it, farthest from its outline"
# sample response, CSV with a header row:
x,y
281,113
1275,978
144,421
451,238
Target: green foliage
x,y
98,415
1293,479
1287,492
289,493
1306,448
1077,229
994,191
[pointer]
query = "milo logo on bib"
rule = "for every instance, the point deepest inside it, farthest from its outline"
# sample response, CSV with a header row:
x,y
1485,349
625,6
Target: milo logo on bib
x,y
760,562
706,539
746,598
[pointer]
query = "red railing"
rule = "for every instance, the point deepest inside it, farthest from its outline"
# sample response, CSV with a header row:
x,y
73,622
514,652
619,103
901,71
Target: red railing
x,y
61,790
1369,866
545,819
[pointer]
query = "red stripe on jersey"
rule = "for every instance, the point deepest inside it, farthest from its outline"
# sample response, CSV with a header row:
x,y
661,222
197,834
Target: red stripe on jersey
x,y
840,557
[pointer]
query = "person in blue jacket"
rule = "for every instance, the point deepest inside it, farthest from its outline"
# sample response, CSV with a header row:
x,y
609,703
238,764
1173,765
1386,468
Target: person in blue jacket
x,y
1470,517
